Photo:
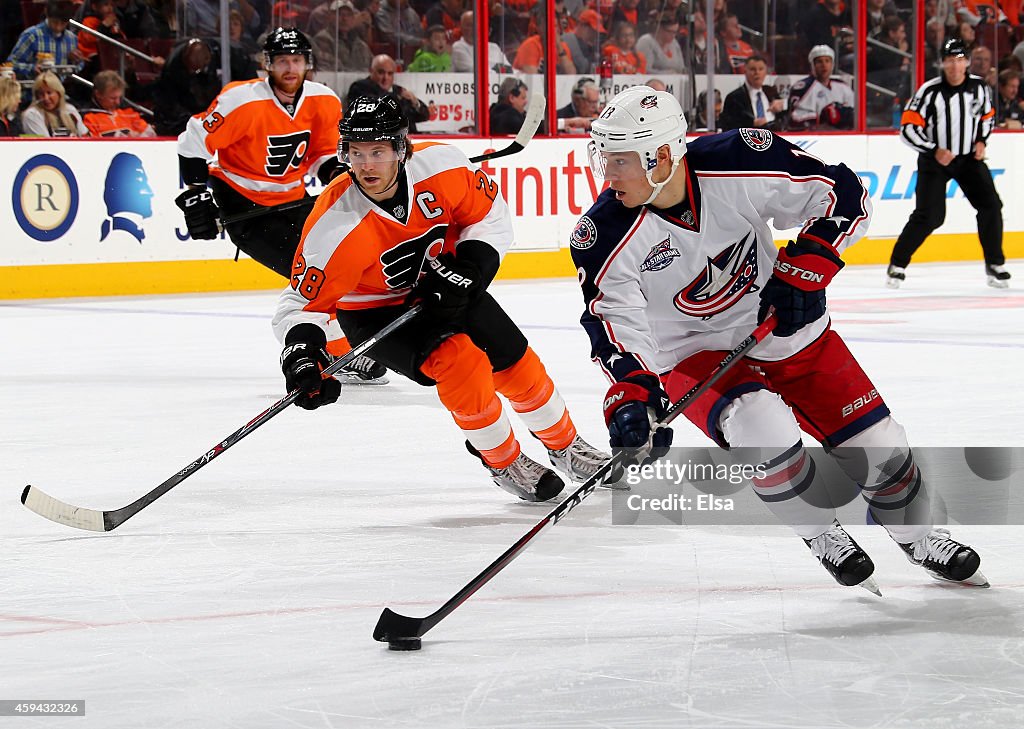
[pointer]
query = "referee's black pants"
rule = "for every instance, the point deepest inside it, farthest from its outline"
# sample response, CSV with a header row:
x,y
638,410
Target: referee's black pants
x,y
975,180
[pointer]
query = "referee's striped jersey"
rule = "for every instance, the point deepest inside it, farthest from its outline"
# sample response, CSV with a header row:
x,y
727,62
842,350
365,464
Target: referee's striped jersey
x,y
948,117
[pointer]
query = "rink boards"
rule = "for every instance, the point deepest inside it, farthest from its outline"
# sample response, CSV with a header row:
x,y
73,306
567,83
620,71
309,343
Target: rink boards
x,y
93,218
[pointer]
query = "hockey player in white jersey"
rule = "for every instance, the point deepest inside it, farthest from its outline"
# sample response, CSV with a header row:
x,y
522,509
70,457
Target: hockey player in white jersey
x,y
820,101
678,265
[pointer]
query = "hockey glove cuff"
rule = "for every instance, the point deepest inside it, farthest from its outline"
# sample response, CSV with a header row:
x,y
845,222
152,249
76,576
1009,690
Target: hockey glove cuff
x,y
631,407
447,287
303,360
200,213
796,289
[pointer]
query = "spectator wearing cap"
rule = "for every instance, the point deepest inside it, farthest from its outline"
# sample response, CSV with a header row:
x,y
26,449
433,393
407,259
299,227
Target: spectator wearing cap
x,y
381,82
339,45
584,41
433,57
508,113
819,101
662,49
49,36
462,49
109,116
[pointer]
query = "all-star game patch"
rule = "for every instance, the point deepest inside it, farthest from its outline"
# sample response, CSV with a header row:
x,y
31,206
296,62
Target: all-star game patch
x,y
661,256
757,139
585,234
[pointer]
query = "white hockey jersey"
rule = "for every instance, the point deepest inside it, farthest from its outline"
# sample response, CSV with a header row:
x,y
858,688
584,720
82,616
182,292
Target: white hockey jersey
x,y
809,96
661,285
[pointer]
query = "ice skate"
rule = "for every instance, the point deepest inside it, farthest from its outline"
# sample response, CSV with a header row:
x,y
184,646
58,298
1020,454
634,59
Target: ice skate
x,y
363,371
579,461
524,477
998,276
946,559
843,558
895,276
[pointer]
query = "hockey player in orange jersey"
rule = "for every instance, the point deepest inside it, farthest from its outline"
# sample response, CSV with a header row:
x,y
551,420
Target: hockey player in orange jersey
x,y
266,136
422,224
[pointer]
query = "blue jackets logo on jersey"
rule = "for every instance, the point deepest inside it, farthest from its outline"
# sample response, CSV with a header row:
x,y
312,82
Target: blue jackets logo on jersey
x,y
725,280
757,139
584,236
661,256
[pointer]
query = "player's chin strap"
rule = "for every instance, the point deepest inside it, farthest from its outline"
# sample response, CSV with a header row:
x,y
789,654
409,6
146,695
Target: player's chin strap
x,y
659,186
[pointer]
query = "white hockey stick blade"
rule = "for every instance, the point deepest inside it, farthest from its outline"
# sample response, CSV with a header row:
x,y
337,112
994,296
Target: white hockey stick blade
x,y
56,510
534,116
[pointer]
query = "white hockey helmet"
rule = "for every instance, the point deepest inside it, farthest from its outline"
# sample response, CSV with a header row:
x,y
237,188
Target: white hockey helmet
x,y
819,51
639,120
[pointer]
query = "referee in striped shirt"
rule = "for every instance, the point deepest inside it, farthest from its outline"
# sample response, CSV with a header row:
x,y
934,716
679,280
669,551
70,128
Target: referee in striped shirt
x,y
948,122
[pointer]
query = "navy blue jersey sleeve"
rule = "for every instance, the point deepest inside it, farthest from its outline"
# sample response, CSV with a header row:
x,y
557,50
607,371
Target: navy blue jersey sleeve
x,y
597,240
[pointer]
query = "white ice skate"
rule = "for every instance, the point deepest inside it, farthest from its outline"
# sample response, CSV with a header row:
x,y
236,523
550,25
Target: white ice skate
x,y
579,461
946,559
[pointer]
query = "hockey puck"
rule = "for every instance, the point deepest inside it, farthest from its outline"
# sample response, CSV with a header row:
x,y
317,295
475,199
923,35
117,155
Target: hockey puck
x,y
405,644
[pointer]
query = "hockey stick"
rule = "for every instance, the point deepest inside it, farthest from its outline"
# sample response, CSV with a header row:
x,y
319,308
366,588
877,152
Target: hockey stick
x,y
534,116
392,626
105,521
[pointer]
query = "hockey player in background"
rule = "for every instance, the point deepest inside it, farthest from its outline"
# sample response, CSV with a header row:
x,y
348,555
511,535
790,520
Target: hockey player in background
x,y
267,135
421,224
678,265
820,101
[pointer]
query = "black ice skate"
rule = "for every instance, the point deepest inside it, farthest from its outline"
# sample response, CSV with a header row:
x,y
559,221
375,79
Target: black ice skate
x,y
998,276
843,558
579,461
895,276
363,371
524,477
946,559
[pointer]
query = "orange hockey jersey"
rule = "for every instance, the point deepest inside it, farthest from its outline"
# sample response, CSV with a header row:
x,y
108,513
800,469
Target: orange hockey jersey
x,y
253,144
354,255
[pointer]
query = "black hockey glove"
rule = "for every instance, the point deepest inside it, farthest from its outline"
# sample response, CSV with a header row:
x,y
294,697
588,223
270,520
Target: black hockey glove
x,y
447,287
796,289
200,213
302,361
630,409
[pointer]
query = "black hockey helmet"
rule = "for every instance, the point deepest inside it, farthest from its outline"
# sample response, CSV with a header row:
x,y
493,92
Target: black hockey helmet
x,y
287,41
954,47
374,119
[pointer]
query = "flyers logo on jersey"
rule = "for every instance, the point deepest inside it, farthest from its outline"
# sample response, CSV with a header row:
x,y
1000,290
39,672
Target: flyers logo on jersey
x,y
285,151
401,265
725,280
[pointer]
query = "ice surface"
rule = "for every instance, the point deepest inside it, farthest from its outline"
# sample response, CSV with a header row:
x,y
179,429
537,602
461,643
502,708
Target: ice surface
x,y
246,597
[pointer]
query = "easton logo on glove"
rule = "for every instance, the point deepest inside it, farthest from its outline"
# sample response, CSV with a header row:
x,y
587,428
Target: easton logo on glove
x,y
808,270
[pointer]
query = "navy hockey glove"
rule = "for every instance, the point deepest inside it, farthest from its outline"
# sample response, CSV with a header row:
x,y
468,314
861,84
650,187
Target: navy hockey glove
x,y
200,213
630,409
447,287
796,289
302,361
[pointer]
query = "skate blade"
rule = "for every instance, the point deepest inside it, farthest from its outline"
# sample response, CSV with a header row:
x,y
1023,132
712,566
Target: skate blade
x,y
997,284
975,580
893,283
870,585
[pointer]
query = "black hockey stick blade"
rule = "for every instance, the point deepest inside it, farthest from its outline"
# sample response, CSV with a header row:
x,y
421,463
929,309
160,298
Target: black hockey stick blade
x,y
534,116
391,625
104,521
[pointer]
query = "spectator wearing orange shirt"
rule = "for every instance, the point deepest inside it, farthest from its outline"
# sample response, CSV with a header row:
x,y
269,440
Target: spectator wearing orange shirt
x,y
532,51
737,51
99,15
110,118
622,51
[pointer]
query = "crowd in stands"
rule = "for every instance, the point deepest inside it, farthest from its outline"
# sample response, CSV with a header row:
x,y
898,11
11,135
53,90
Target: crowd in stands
x,y
75,83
